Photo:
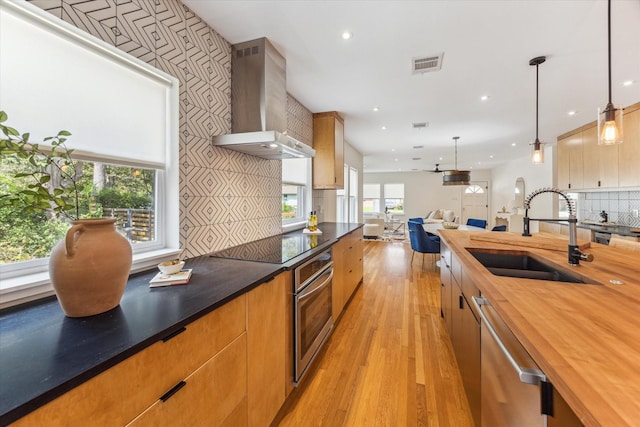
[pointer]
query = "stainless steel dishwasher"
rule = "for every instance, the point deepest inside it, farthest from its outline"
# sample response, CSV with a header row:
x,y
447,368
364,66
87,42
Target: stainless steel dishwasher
x,y
515,392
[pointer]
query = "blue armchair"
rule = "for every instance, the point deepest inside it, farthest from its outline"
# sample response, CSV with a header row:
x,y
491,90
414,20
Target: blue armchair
x,y
499,228
419,220
422,241
482,223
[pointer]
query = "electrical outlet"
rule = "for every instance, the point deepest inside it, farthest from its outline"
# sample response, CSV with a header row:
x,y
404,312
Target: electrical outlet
x,y
634,212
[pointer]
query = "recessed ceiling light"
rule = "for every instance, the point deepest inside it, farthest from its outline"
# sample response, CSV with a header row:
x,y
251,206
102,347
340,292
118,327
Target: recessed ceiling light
x,y
628,82
393,149
346,35
395,160
376,108
484,97
491,156
440,158
571,113
383,128
513,144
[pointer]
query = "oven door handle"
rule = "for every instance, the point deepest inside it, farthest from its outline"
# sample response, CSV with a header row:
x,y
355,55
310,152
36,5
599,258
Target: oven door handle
x,y
307,293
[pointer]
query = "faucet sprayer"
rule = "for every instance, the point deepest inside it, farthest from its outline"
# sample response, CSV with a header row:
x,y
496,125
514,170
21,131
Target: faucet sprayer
x,y
574,253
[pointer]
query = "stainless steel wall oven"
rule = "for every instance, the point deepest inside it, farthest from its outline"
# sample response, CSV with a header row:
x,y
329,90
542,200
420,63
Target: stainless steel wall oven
x,y
313,319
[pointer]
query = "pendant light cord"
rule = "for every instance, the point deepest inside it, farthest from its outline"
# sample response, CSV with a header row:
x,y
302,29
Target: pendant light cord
x,y
609,45
537,65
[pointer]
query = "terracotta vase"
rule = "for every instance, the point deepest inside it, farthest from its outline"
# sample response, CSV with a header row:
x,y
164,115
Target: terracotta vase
x,y
90,267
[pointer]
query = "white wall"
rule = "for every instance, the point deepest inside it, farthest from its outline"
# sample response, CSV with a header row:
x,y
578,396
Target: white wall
x,y
324,201
424,192
535,177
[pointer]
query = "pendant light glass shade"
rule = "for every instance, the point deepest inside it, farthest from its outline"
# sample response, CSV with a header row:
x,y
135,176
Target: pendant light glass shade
x,y
537,154
610,129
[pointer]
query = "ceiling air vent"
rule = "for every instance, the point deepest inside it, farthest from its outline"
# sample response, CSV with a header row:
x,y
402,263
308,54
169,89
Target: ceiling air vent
x,y
425,64
417,147
420,125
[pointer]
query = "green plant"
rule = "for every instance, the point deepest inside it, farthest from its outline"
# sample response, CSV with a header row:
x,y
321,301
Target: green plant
x,y
47,178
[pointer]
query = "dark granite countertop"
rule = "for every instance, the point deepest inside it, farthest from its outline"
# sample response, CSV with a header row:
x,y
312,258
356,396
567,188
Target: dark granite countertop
x,y
44,354
622,230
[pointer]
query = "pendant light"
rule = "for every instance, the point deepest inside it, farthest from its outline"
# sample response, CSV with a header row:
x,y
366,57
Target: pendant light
x,y
609,120
455,176
537,155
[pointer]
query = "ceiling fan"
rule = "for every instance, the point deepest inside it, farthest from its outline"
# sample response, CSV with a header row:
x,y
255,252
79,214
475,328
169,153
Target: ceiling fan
x,y
453,176
437,169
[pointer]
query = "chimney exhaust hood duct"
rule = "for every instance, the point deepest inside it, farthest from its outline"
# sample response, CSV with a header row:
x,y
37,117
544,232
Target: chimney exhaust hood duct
x,y
259,104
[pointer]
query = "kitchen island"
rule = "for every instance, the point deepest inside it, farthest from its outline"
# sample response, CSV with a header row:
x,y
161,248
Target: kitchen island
x,y
584,337
44,354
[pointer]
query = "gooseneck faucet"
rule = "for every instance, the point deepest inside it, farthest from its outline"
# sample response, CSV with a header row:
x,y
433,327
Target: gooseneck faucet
x,y
574,253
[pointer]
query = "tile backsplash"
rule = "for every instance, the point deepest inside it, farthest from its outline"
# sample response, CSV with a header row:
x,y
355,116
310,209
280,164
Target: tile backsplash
x,y
622,207
226,198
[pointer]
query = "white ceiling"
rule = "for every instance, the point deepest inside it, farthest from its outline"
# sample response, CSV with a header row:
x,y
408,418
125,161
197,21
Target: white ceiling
x,y
487,46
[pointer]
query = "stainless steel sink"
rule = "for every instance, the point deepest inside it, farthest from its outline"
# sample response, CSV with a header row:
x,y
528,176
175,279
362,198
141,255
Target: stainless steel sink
x,y
522,265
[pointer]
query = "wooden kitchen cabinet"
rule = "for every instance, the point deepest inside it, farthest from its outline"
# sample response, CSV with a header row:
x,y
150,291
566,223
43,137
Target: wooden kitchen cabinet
x,y
328,141
570,162
445,286
121,393
583,164
600,161
347,270
629,150
211,395
462,324
267,348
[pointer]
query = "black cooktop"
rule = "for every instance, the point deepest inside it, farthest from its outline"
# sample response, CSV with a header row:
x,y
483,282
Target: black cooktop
x,y
275,249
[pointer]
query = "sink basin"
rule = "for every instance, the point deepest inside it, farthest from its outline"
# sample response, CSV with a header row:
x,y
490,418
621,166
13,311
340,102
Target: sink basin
x,y
522,265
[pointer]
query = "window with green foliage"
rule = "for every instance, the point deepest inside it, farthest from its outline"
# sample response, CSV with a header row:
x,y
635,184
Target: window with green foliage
x,y
296,190
103,190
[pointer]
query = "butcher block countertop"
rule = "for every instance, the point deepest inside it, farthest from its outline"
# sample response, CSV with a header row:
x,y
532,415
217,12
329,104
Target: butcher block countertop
x,y
586,338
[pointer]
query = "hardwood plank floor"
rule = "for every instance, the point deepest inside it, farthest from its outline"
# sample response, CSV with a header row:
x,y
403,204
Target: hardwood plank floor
x,y
389,361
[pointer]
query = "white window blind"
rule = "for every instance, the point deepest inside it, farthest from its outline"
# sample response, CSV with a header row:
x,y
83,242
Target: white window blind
x,y
394,191
53,77
294,171
371,191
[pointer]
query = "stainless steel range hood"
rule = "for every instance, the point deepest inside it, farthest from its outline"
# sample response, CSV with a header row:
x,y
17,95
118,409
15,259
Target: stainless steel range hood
x,y
259,104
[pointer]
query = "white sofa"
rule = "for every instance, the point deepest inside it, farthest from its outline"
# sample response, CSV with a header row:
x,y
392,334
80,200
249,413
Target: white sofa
x,y
440,215
373,227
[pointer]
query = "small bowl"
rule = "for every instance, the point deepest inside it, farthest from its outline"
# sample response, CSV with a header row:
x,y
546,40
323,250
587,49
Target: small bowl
x,y
171,267
450,225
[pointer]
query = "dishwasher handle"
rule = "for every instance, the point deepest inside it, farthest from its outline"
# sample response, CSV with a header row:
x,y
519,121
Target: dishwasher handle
x,y
526,375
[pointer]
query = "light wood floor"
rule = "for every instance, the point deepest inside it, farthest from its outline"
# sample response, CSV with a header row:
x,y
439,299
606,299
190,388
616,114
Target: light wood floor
x,y
389,361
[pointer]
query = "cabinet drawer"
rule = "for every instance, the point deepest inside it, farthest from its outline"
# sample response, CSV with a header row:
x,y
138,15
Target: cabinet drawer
x,y
208,396
119,394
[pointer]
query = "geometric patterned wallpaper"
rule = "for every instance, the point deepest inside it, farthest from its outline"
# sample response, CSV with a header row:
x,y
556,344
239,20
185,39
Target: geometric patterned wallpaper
x,y
226,198
619,205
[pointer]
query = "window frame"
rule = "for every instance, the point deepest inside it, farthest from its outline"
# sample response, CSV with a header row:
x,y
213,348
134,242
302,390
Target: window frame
x,y
392,197
299,221
29,280
365,199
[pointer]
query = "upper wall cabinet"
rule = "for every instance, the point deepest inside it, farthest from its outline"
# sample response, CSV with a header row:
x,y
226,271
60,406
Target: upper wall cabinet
x,y
629,150
570,162
583,164
328,141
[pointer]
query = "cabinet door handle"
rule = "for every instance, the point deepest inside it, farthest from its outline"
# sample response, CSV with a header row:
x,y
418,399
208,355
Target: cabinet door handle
x,y
461,302
173,334
173,391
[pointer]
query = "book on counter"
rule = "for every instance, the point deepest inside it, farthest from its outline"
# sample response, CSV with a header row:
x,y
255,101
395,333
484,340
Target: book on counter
x,y
179,278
